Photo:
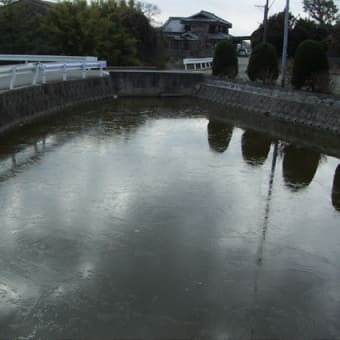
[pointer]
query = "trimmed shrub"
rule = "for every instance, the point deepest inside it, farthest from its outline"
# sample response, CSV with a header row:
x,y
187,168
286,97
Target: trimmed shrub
x,y
263,64
311,69
225,62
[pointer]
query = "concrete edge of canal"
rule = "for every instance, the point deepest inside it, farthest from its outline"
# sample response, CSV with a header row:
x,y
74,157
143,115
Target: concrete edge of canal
x,y
297,107
25,104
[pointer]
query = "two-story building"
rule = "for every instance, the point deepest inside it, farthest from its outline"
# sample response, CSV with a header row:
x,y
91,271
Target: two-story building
x,y
195,36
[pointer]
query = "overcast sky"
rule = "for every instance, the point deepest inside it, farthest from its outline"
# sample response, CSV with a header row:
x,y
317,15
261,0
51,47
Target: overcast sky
x,y
243,14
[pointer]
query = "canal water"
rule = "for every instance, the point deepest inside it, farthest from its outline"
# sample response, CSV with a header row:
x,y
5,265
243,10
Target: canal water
x,y
156,219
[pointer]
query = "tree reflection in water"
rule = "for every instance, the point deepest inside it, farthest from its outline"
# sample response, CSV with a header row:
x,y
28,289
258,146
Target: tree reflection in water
x,y
219,135
299,166
255,147
336,189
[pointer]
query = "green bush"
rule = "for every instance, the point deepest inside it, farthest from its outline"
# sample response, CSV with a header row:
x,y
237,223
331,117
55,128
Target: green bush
x,y
311,69
225,62
263,63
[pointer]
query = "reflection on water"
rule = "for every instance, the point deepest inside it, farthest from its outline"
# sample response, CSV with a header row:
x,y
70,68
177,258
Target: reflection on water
x,y
219,135
299,166
255,147
336,189
121,222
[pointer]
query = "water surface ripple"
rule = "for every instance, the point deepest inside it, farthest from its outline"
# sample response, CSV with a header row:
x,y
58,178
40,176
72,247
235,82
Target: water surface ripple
x,y
154,219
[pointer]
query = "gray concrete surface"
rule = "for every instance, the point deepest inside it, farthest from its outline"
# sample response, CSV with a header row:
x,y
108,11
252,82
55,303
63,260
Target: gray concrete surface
x,y
301,108
242,68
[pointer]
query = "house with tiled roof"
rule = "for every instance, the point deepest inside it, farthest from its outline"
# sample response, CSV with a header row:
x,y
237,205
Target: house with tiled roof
x,y
195,36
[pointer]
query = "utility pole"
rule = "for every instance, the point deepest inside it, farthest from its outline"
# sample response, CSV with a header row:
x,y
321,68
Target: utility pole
x,y
265,21
285,46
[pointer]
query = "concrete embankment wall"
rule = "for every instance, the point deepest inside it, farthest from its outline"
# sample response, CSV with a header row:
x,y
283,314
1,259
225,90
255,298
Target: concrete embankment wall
x,y
155,83
22,105
300,108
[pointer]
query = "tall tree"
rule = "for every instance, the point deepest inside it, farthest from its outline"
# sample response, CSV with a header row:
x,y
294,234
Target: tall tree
x,y
115,30
299,30
19,27
322,11
275,27
79,28
333,42
150,11
150,45
307,29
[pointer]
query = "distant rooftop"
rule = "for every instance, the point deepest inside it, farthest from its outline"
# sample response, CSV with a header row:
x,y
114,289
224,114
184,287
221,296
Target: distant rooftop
x,y
210,17
177,24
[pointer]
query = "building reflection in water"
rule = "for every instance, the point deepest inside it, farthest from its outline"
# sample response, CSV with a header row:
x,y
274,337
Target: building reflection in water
x,y
299,166
219,135
255,147
336,189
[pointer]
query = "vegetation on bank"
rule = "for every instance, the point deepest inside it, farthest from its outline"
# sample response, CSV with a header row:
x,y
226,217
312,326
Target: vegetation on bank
x,y
310,43
311,67
323,27
225,63
263,64
113,30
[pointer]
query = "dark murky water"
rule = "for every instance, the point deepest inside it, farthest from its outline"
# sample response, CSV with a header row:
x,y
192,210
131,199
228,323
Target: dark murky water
x,y
154,220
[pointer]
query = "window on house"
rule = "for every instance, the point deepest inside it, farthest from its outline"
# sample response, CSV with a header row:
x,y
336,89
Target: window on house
x,y
212,28
187,28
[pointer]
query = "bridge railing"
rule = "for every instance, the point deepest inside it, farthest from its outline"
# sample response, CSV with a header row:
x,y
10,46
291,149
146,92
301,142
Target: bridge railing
x,y
27,58
197,63
40,70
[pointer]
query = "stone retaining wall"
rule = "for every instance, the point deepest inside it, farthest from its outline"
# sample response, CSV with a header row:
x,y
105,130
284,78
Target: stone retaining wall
x,y
301,108
25,104
22,105
154,83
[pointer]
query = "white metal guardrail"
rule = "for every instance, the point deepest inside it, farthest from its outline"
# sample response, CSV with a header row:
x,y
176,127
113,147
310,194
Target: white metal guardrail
x,y
45,58
197,63
40,70
65,67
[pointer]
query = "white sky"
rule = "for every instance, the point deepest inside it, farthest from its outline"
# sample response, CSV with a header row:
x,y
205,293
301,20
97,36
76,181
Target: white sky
x,y
243,14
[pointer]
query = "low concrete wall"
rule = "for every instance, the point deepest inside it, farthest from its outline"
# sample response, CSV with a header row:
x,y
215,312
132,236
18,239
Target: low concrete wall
x,y
155,83
22,105
301,108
